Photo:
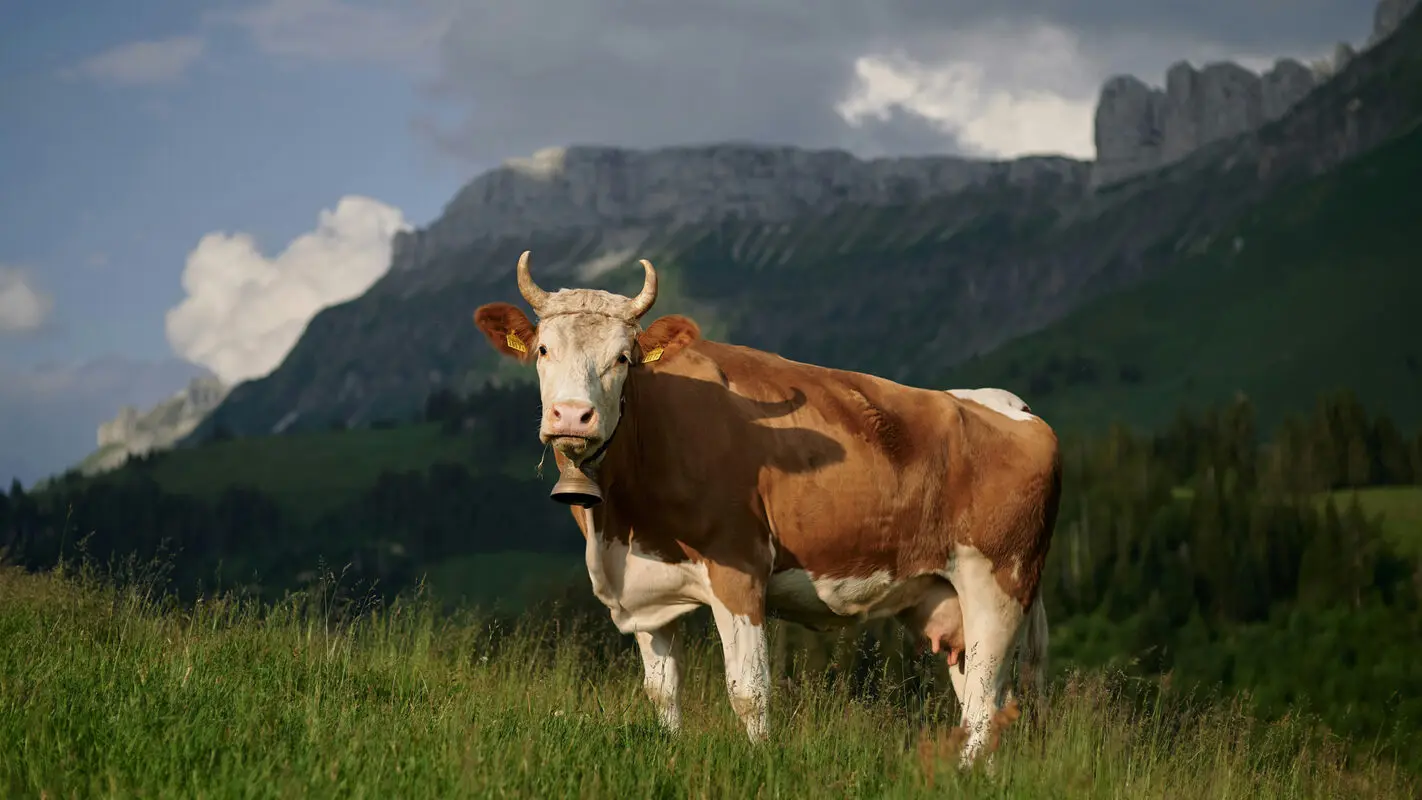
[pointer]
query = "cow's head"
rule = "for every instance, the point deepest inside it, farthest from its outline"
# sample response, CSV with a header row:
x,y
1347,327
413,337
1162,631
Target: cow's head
x,y
585,344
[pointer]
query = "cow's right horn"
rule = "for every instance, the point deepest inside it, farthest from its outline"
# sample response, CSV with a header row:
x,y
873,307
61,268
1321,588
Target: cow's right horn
x,y
535,296
642,303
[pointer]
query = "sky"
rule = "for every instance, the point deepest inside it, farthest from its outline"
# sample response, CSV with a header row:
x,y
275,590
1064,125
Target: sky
x,y
186,184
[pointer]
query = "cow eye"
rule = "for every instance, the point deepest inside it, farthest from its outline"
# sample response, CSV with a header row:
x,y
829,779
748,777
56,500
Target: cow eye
x,y
622,358
542,351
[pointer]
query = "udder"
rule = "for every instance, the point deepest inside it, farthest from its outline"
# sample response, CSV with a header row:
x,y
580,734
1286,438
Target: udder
x,y
937,619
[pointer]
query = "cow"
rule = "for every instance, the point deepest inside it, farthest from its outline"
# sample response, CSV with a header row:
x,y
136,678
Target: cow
x,y
702,473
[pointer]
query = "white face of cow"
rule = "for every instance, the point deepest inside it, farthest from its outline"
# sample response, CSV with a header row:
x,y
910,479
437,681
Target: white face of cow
x,y
583,360
583,345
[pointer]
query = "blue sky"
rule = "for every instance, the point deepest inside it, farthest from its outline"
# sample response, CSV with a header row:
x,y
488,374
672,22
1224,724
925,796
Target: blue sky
x,y
118,181
113,173
130,131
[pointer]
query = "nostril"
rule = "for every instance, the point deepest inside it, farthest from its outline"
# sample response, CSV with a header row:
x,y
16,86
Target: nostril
x,y
586,417
557,414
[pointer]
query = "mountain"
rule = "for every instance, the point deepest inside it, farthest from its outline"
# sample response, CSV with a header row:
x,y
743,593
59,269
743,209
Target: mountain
x,y
904,267
132,432
1311,291
1139,129
728,226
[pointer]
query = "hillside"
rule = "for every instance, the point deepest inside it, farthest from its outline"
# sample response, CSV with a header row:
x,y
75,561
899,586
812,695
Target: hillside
x,y
313,472
1314,290
904,267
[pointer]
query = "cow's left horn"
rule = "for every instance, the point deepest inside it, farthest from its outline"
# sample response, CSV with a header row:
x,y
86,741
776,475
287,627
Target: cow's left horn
x,y
642,303
526,287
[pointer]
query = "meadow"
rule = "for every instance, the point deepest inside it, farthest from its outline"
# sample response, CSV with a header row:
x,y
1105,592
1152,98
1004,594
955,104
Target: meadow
x,y
118,691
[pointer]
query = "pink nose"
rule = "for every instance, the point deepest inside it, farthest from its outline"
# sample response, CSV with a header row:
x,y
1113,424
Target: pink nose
x,y
573,419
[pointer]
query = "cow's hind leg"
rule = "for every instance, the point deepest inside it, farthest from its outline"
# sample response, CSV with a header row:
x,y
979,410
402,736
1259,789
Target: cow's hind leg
x,y
738,607
661,664
991,620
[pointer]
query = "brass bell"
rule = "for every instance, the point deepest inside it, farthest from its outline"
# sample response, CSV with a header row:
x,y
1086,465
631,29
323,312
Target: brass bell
x,y
576,487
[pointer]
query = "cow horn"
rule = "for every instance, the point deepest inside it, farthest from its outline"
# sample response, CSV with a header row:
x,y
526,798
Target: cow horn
x,y
642,303
535,296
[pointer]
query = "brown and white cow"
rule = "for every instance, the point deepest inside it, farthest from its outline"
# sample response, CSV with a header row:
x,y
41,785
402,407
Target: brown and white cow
x,y
737,479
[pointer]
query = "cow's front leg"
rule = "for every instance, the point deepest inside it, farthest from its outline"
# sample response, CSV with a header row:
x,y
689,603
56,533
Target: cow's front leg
x,y
661,664
739,610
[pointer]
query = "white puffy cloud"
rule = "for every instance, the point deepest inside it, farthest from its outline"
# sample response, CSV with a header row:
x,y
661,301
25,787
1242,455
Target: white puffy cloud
x,y
23,305
142,63
1039,102
244,311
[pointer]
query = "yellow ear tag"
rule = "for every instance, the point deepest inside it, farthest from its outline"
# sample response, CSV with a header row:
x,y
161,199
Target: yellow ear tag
x,y
652,355
515,343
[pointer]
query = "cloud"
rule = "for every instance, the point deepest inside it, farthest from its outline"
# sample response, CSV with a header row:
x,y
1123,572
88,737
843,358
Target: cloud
x,y
244,311
995,79
23,305
49,415
1042,101
403,35
145,63
873,76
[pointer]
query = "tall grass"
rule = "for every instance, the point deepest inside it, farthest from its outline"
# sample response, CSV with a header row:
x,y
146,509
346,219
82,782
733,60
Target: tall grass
x,y
118,692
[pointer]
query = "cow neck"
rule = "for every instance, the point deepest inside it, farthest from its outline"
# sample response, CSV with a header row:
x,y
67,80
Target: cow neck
x,y
623,421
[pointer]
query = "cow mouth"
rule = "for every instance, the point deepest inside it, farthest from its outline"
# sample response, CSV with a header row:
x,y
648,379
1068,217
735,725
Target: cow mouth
x,y
572,446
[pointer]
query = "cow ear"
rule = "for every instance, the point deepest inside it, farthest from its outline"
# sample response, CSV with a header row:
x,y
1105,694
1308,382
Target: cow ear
x,y
666,337
509,332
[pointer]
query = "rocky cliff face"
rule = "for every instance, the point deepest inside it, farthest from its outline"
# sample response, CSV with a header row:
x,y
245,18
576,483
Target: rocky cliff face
x,y
1139,128
605,188
134,432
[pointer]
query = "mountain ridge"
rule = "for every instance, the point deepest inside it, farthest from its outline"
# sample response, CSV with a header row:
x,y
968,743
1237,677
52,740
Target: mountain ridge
x,y
134,432
584,187
962,272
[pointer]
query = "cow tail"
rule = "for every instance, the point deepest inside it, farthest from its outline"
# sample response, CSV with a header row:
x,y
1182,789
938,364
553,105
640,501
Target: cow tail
x,y
1032,667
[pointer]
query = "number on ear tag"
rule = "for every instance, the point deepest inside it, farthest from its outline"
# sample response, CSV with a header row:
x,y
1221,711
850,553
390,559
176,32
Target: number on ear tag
x,y
511,339
652,355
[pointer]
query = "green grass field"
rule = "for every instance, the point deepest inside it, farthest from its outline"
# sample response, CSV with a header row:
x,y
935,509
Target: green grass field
x,y
104,693
1312,291
508,581
313,472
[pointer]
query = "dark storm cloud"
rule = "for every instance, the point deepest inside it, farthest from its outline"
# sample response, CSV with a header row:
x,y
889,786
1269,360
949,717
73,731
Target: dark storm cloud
x,y
1264,25
638,73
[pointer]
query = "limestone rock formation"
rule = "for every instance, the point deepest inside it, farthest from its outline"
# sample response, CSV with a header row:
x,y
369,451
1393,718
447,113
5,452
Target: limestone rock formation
x,y
1139,128
133,432
604,188
1128,123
